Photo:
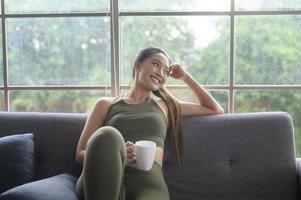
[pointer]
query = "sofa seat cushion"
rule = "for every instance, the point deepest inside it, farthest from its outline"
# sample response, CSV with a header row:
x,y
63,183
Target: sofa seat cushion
x,y
57,187
16,160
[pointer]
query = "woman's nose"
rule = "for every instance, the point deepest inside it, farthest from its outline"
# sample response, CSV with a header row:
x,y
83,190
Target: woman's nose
x,y
160,72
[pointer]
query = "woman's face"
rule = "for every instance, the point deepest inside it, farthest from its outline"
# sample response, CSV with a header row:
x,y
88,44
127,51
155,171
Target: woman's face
x,y
153,72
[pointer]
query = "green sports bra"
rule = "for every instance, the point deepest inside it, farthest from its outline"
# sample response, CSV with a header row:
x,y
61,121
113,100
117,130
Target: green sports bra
x,y
144,121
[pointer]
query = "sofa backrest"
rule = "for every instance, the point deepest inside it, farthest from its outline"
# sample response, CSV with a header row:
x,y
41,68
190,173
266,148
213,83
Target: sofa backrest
x,y
232,156
246,156
55,138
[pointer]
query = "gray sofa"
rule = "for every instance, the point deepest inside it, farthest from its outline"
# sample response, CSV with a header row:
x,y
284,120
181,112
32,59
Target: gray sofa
x,y
247,156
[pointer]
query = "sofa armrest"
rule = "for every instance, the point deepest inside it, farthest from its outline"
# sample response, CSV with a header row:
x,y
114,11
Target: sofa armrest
x,y
298,162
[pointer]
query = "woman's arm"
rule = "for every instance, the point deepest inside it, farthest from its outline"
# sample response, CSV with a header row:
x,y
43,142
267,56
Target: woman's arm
x,y
207,104
94,121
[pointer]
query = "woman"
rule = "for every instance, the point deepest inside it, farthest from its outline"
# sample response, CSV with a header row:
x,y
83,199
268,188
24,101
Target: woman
x,y
109,171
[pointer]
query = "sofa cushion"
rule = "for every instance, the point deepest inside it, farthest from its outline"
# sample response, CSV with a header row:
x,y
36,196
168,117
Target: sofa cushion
x,y
57,187
17,160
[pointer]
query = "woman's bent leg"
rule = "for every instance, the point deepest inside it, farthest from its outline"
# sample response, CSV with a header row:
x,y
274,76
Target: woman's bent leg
x,y
148,185
102,175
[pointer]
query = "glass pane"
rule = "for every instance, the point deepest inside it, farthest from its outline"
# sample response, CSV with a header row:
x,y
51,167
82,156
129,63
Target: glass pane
x,y
201,44
2,101
288,101
1,58
54,101
59,51
267,4
175,5
187,95
56,6
267,50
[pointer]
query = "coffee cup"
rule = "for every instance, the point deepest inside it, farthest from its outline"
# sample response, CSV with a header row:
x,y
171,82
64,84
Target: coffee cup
x,y
145,154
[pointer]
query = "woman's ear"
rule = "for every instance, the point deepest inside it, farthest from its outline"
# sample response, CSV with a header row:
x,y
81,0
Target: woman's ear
x,y
136,67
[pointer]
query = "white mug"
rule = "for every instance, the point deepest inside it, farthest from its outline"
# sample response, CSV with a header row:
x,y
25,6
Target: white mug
x,y
145,154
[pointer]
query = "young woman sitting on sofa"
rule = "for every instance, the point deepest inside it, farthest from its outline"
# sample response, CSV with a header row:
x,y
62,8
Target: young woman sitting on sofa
x,y
108,161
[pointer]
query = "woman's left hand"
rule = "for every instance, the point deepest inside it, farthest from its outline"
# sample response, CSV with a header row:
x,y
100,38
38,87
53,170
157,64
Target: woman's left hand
x,y
176,71
130,151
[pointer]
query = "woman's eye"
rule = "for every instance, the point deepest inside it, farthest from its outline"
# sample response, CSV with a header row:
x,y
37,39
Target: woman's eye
x,y
156,64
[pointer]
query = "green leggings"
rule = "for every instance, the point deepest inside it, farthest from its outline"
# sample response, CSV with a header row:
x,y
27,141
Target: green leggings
x,y
105,176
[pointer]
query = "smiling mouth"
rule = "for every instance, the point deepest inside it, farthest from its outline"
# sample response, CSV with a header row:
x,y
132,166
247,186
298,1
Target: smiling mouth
x,y
155,79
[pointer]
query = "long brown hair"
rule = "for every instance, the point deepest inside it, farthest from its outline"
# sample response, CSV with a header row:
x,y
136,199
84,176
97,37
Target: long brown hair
x,y
174,110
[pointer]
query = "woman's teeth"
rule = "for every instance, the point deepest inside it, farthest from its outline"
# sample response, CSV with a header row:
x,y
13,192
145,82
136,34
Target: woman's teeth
x,y
155,80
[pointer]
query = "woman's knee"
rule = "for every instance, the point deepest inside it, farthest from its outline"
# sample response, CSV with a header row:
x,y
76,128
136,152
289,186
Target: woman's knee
x,y
106,136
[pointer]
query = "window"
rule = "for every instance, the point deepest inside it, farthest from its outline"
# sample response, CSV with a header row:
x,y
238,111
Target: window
x,y
266,51
1,101
58,51
175,5
54,100
261,5
190,35
56,6
1,60
60,56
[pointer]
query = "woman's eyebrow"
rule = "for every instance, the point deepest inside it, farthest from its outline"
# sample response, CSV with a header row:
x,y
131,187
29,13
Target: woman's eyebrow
x,y
157,60
160,62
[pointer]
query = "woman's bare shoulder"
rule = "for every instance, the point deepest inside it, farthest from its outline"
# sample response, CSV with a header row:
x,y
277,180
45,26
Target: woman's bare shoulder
x,y
106,99
104,102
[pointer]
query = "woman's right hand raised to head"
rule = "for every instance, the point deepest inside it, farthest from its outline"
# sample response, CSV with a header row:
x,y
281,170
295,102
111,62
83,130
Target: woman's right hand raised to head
x,y
130,151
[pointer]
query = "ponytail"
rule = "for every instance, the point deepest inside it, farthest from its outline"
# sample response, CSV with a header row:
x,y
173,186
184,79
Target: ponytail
x,y
175,124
